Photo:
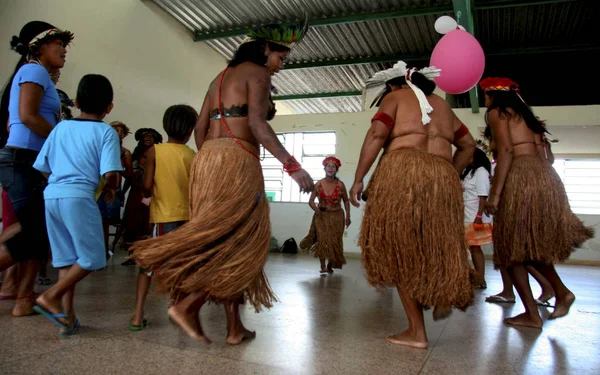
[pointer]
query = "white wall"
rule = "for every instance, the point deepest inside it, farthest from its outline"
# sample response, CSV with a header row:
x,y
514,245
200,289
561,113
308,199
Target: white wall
x,y
151,60
566,123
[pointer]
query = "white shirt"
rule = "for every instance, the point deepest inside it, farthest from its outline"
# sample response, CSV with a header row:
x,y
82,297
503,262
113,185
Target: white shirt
x,y
475,186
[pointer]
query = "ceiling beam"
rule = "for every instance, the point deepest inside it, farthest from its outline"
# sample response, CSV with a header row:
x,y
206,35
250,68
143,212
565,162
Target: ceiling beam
x,y
465,17
426,57
317,95
498,4
350,18
200,36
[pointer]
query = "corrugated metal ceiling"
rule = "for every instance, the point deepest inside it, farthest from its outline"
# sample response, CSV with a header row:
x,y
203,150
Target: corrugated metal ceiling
x,y
510,27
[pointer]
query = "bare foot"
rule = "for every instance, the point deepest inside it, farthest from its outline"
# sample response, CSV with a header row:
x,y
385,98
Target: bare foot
x,y
524,320
562,306
189,323
407,339
441,312
23,307
237,337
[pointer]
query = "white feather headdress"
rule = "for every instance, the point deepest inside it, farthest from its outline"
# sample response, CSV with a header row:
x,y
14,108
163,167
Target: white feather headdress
x,y
375,87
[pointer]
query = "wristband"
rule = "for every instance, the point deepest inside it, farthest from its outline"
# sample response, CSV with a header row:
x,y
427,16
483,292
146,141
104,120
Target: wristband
x,y
479,217
291,166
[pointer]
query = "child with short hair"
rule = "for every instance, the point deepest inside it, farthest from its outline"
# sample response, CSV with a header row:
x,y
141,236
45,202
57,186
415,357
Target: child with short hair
x,y
76,154
166,180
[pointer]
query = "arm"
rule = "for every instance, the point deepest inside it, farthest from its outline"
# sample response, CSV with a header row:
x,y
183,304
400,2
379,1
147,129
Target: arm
x,y
346,204
465,146
482,186
202,124
373,143
501,135
128,172
112,180
149,173
30,100
259,90
311,200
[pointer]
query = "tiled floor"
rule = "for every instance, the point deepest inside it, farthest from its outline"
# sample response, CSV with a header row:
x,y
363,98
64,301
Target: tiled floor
x,y
332,324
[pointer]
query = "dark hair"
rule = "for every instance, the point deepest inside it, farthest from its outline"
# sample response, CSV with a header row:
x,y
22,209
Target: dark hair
x,y
480,159
94,94
417,79
179,120
139,136
5,101
503,100
254,51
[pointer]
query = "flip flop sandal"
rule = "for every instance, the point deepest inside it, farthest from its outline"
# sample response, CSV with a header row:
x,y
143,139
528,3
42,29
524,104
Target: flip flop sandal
x,y
53,318
499,299
543,303
72,331
44,280
135,328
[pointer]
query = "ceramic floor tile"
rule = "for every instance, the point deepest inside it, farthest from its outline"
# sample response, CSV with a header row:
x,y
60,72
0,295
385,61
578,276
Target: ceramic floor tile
x,y
333,324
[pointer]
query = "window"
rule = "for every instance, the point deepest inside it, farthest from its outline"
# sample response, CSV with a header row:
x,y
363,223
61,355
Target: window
x,y
581,178
309,149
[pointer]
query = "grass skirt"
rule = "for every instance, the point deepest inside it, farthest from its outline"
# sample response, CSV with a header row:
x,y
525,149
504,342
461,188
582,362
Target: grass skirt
x,y
224,246
534,222
412,234
325,237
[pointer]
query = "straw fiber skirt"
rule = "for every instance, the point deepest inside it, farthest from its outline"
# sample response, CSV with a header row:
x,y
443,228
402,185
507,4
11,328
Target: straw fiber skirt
x,y
224,246
412,234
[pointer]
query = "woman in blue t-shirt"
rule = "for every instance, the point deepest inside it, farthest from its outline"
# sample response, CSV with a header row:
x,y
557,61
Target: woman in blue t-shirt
x,y
30,106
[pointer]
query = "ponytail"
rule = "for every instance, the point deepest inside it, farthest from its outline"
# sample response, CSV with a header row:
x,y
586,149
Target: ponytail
x,y
6,101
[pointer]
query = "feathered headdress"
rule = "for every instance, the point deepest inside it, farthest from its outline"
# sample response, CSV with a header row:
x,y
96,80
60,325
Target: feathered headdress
x,y
64,35
287,35
498,84
376,86
333,159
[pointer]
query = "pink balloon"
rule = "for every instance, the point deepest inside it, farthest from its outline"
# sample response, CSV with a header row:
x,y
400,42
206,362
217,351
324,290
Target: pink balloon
x,y
460,57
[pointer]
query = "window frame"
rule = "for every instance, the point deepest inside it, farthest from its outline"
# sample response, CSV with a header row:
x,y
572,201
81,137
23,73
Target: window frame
x,y
295,143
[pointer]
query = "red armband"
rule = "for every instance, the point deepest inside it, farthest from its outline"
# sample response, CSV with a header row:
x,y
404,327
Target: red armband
x,y
461,132
291,166
387,120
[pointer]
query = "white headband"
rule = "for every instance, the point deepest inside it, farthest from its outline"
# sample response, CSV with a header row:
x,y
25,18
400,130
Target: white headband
x,y
375,86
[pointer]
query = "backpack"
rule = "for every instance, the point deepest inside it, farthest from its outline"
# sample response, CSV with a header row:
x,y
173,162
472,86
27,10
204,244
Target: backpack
x,y
289,247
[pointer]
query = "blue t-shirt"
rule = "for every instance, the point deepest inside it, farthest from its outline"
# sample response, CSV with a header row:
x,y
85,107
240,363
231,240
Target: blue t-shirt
x,y
20,136
76,154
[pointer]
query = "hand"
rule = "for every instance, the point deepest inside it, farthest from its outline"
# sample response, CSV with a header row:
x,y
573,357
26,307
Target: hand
x,y
348,221
478,220
304,180
491,206
355,193
109,195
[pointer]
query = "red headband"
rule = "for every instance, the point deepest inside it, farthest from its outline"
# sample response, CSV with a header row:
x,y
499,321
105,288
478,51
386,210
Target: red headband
x,y
333,159
498,84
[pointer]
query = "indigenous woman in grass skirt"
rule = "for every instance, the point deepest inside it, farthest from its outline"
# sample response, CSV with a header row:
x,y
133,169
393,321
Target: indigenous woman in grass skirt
x,y
533,222
220,253
412,235
325,238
